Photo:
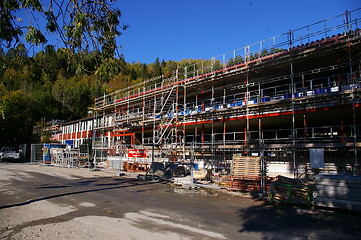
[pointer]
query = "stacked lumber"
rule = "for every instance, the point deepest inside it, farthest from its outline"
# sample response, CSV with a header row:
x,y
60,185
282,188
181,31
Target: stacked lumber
x,y
338,191
291,190
246,166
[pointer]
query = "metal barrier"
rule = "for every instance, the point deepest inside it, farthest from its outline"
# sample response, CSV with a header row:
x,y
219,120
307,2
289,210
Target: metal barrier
x,y
63,158
36,156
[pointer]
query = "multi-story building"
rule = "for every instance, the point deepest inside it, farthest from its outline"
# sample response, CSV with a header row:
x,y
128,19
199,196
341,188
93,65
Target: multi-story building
x,y
73,133
291,101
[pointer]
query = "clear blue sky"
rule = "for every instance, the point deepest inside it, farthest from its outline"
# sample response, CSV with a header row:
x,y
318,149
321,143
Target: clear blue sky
x,y
178,29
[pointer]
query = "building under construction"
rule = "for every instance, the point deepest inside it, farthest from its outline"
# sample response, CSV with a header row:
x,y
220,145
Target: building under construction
x,y
287,105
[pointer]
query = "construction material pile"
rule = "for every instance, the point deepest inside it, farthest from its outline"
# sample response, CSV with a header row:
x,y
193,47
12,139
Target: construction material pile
x,y
295,191
245,175
338,191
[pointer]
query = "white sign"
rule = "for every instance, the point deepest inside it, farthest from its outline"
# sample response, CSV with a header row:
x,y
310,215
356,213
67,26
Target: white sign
x,y
317,159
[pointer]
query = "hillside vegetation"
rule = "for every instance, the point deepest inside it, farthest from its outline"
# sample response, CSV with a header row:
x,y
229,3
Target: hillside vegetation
x,y
58,84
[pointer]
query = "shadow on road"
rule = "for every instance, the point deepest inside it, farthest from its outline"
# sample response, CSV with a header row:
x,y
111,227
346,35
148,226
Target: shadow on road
x,y
292,222
119,184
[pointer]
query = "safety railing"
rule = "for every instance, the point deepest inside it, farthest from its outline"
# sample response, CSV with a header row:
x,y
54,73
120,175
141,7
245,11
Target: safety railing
x,y
317,33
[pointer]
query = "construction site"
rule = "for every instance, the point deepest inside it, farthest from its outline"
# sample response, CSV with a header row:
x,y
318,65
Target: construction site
x,y
286,106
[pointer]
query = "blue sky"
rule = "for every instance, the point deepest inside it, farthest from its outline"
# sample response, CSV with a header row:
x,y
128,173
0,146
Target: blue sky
x,y
174,30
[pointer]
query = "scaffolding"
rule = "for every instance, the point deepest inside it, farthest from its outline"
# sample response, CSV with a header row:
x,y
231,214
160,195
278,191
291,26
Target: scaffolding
x,y
273,100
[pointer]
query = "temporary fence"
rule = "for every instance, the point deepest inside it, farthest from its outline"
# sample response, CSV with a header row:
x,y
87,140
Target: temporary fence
x,y
36,153
58,155
63,158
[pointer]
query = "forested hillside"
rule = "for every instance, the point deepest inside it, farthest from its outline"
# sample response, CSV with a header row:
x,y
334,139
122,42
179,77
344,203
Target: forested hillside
x,y
57,84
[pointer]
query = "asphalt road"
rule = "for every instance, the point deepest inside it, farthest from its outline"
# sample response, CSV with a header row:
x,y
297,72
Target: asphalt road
x,y
53,203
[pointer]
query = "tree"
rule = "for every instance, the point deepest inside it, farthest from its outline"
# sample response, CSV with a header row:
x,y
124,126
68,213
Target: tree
x,y
44,105
74,95
170,66
2,53
15,118
81,25
155,69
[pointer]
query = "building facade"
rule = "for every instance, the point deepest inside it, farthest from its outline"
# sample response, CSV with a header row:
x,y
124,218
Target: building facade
x,y
292,102
73,133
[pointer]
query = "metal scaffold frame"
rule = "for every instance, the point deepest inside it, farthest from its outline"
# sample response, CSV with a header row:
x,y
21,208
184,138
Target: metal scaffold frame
x,y
272,99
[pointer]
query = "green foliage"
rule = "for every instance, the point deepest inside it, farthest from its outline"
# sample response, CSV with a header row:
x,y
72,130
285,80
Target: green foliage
x,y
44,104
81,25
60,84
15,118
236,60
34,36
73,95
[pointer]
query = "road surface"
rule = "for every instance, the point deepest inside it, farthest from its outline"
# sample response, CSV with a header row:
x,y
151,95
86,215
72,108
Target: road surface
x,y
38,202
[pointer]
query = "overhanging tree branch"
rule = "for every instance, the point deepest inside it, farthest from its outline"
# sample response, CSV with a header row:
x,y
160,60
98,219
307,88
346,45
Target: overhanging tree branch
x,y
82,25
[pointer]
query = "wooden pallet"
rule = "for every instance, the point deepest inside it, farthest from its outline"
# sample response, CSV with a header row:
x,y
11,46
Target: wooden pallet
x,y
244,183
246,166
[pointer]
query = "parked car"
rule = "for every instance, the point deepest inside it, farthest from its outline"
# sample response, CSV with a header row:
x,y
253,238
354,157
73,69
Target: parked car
x,y
8,153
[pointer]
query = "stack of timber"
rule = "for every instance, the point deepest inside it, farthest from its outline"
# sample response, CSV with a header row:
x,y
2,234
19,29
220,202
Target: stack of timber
x,y
245,175
338,191
246,166
290,190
